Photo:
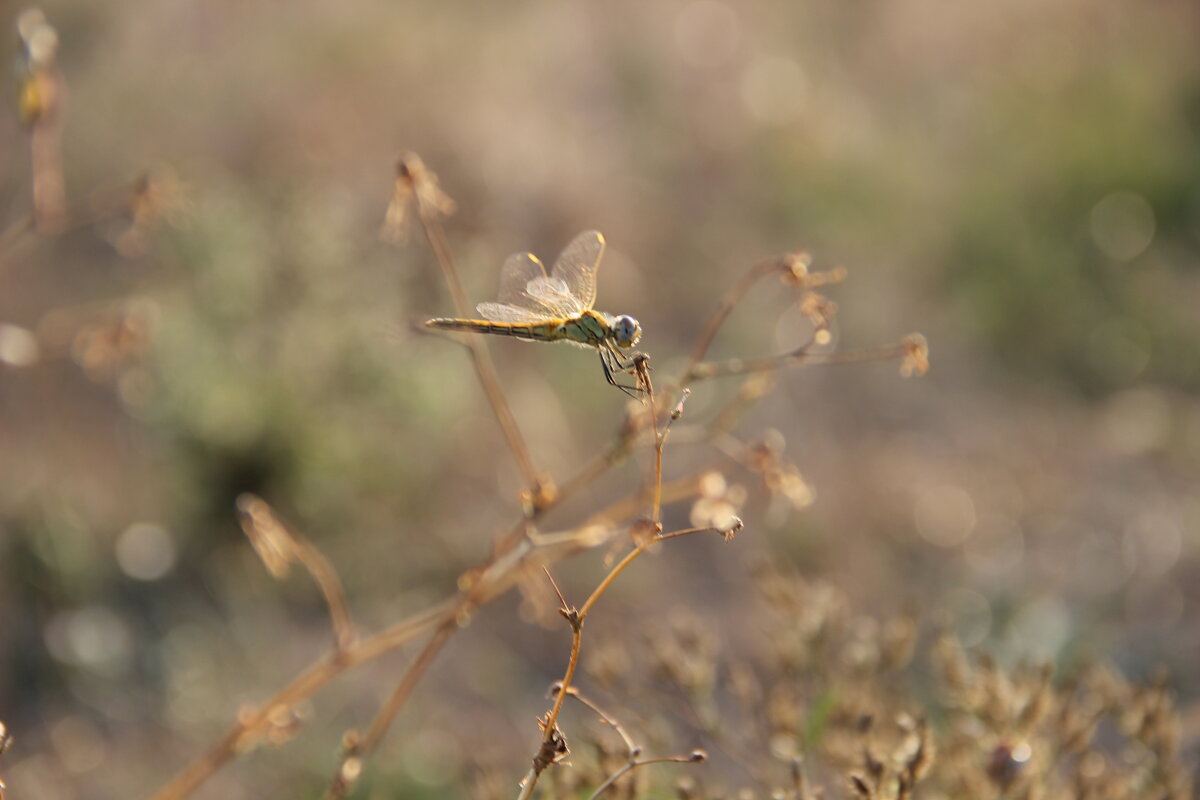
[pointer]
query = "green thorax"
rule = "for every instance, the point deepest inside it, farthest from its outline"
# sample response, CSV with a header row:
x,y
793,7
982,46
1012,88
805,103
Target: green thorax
x,y
590,328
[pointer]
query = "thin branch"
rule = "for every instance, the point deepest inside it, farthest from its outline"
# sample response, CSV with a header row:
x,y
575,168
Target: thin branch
x,y
692,531
490,580
797,358
756,273
631,747
250,724
352,763
431,203
277,544
552,747
694,757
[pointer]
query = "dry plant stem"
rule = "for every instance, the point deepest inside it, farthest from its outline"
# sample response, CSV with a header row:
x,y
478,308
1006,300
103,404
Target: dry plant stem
x,y
479,355
630,746
633,764
71,221
498,575
734,296
263,525
304,685
383,719
797,358
327,581
576,619
49,188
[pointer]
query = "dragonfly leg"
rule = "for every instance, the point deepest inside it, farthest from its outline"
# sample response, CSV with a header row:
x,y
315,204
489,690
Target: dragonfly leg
x,y
608,360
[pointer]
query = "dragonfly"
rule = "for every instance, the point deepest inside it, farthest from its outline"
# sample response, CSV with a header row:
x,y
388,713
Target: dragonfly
x,y
537,306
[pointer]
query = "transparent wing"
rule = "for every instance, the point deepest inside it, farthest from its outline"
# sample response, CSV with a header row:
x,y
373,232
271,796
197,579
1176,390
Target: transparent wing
x,y
555,296
577,266
503,312
519,270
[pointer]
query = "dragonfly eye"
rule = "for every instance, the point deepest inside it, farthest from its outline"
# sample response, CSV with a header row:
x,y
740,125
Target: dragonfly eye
x,y
628,331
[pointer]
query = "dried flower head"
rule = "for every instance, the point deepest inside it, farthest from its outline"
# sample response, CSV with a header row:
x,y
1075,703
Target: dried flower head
x,y
415,183
781,478
156,196
818,309
105,347
270,537
39,92
916,356
718,504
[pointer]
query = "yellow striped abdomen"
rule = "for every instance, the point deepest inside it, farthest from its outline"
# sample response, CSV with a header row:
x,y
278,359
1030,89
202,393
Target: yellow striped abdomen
x,y
550,331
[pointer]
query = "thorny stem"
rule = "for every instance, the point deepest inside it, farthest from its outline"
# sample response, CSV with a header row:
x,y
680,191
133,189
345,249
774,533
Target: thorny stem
x,y
606,718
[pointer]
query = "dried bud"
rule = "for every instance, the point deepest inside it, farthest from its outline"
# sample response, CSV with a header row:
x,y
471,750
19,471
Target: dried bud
x,y
414,181
718,504
267,534
818,310
916,356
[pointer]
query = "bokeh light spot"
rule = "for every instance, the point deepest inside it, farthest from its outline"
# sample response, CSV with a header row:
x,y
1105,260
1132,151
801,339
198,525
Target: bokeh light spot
x,y
18,346
145,552
93,637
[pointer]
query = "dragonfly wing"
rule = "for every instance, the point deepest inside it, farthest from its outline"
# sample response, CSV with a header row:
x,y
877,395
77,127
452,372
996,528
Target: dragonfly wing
x,y
503,312
516,274
577,266
555,296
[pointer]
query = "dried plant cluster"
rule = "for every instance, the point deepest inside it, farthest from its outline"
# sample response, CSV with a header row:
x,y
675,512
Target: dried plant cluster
x,y
827,706
827,703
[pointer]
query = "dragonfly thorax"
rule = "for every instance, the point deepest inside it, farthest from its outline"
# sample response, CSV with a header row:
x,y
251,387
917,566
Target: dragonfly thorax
x,y
626,331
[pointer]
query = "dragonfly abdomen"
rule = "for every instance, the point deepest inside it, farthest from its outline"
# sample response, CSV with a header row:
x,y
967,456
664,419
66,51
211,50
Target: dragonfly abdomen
x,y
538,332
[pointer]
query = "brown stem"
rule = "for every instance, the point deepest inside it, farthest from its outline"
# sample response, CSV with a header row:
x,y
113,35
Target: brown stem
x,y
630,746
479,355
737,366
576,619
278,543
690,758
344,778
756,273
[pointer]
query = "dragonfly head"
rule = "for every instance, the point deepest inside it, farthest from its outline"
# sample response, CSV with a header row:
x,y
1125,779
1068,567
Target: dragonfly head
x,y
626,331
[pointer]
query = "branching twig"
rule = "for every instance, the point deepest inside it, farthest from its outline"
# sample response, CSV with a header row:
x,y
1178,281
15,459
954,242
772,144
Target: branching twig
x,y
352,761
756,273
553,745
630,746
797,358
522,548
694,757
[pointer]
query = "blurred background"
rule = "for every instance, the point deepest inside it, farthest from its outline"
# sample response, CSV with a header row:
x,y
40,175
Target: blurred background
x,y
1017,180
